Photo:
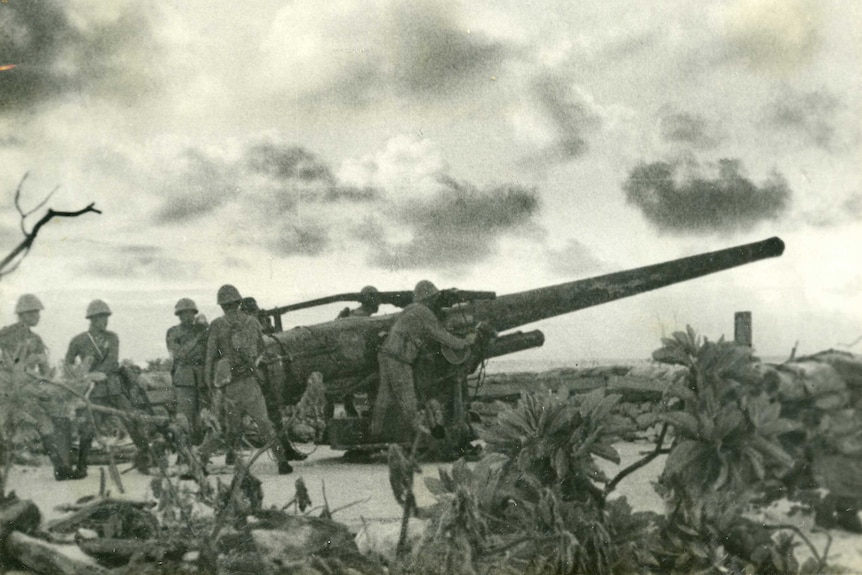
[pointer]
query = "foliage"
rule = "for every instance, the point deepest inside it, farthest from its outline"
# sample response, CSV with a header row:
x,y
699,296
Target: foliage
x,y
537,502
28,401
159,364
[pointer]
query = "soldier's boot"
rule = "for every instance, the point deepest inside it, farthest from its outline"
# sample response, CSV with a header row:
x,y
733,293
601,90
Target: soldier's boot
x,y
62,470
61,445
230,457
290,452
84,444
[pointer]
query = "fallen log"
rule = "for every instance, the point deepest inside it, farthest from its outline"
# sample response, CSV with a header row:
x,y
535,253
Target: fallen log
x,y
44,557
110,517
18,515
121,551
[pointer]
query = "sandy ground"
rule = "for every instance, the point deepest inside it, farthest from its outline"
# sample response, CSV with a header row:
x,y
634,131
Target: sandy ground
x,y
366,487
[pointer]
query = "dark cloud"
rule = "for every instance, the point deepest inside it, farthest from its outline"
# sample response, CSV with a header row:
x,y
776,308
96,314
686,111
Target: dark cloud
x,y
574,259
812,116
197,185
459,225
571,115
57,56
288,163
727,203
270,180
306,239
434,55
686,128
140,261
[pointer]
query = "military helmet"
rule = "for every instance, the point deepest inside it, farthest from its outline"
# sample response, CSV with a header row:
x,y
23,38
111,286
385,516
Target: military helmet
x,y
424,290
97,307
227,294
185,304
369,294
28,302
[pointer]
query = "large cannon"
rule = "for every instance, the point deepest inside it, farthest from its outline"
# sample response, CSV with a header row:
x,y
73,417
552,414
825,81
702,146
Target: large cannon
x,y
344,351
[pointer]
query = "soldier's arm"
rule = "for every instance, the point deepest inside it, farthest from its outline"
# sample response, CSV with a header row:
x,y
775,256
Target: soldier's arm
x,y
72,353
172,343
211,357
437,332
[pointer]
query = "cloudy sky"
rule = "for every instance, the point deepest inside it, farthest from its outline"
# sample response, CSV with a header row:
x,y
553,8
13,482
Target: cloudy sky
x,y
298,149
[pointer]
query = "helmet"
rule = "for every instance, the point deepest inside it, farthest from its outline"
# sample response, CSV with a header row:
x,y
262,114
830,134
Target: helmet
x,y
227,294
28,302
369,294
249,305
97,307
185,304
424,290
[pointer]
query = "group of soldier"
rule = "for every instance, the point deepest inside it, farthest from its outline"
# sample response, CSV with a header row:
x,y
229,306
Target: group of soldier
x,y
220,367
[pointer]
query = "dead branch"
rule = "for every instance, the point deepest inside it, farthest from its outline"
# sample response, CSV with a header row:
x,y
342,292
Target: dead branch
x,y
23,248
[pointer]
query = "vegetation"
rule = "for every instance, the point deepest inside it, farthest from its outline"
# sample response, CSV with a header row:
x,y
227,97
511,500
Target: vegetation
x,y
539,503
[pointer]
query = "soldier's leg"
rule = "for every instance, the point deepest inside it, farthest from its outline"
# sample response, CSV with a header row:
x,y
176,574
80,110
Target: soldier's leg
x,y
138,430
250,400
48,433
188,412
86,434
395,417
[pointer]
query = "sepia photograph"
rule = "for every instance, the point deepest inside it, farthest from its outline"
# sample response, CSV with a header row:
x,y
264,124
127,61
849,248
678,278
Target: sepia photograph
x,y
430,287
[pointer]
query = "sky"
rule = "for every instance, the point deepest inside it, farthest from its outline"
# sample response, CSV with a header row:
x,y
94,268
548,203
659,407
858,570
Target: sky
x,y
300,149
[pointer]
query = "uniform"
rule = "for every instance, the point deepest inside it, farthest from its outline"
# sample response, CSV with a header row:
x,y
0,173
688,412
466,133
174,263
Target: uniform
x,y
103,348
48,413
235,343
187,346
395,408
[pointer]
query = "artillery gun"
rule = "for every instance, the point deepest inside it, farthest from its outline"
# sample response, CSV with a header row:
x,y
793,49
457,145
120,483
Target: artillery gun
x,y
344,351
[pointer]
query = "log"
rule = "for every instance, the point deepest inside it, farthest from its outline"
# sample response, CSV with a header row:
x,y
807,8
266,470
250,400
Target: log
x,y
50,558
122,550
18,515
103,506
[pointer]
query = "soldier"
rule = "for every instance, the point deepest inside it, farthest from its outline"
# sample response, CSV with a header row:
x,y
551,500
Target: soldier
x,y
395,406
187,344
369,303
19,342
102,348
232,368
369,300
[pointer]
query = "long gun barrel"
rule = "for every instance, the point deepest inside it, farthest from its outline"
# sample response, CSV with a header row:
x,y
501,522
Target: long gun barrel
x,y
521,308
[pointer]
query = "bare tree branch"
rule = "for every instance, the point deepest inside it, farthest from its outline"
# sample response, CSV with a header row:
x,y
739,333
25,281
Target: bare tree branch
x,y
30,237
42,203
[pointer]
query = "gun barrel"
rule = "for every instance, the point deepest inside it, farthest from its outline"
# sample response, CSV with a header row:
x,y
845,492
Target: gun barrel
x,y
521,308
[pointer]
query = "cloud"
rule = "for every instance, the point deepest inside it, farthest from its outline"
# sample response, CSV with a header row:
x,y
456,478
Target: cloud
x,y
434,54
682,127
812,116
700,205
772,34
574,258
834,211
558,120
196,184
354,51
137,261
458,225
300,239
62,51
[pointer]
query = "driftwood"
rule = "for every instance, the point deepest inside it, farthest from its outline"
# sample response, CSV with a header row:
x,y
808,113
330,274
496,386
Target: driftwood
x,y
121,551
18,515
131,515
44,557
